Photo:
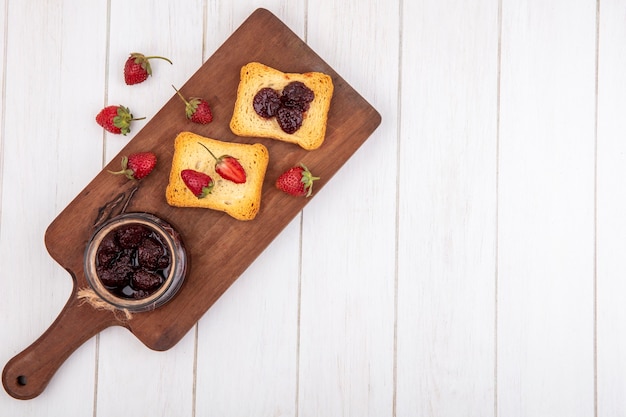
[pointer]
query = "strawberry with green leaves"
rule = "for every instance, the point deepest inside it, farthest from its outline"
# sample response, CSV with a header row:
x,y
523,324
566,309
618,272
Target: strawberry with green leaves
x,y
197,109
297,181
137,68
137,166
199,183
116,119
228,167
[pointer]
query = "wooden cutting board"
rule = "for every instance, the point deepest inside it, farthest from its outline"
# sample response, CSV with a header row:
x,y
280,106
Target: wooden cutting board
x,y
211,238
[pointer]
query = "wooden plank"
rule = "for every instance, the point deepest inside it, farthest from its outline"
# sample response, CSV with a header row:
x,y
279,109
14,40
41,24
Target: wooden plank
x,y
50,150
546,209
161,382
3,43
611,205
249,337
348,240
447,209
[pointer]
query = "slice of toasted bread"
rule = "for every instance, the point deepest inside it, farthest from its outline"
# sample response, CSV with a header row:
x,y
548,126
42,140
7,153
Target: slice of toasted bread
x,y
241,201
246,122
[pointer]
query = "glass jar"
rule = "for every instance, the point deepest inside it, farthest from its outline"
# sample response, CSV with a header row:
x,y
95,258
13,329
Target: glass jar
x,y
124,296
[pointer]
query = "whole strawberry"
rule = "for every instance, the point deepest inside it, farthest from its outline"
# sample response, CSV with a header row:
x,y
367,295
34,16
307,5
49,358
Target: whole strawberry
x,y
197,109
137,68
116,119
137,166
199,183
228,167
297,181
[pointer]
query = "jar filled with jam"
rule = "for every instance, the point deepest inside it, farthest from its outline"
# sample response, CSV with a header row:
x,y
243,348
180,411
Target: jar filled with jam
x,y
135,261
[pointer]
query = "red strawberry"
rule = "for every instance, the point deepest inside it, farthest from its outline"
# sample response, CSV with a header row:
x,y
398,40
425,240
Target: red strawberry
x,y
228,167
137,68
197,109
137,165
116,119
199,183
297,181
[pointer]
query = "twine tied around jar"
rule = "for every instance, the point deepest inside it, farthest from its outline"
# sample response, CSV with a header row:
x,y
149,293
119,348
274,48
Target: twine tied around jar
x,y
87,295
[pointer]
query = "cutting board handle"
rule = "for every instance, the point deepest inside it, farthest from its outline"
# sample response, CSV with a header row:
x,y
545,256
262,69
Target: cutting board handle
x,y
28,373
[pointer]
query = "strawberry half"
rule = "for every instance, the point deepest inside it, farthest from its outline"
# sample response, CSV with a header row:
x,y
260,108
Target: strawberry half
x,y
228,167
116,119
137,68
199,183
137,165
197,109
297,181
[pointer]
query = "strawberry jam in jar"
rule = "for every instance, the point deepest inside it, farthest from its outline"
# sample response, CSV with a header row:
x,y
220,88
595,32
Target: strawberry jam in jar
x,y
135,261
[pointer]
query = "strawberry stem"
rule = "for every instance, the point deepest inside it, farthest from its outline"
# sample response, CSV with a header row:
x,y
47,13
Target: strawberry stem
x,y
125,170
159,57
180,95
215,157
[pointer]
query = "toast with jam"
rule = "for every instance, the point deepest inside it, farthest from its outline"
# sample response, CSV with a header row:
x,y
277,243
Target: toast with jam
x,y
291,107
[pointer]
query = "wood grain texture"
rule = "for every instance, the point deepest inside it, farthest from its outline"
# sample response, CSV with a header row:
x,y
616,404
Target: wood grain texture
x,y
29,153
546,248
347,303
611,203
37,133
447,210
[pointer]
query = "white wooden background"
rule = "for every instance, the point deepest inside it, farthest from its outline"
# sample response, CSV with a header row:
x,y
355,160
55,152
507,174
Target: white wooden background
x,y
467,261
